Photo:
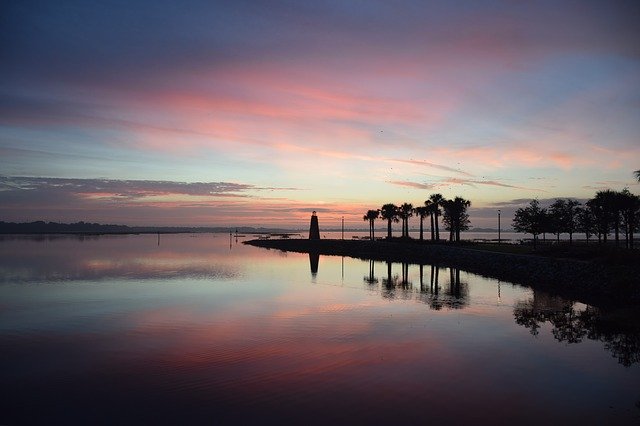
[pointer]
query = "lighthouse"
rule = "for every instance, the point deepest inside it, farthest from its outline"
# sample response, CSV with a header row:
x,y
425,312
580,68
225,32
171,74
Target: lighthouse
x,y
314,229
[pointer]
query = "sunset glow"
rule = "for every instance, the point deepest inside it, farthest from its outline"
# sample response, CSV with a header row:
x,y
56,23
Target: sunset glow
x,y
248,113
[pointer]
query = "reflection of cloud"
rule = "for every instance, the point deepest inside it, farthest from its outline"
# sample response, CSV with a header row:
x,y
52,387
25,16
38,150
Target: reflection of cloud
x,y
117,257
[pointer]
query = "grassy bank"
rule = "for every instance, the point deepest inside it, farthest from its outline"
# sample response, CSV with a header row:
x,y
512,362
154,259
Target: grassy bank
x,y
611,277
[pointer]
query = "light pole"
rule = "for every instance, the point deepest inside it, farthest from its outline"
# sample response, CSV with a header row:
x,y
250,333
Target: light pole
x,y
498,226
343,227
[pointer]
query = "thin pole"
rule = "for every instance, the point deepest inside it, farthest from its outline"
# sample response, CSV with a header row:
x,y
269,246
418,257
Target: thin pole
x,y
498,226
343,227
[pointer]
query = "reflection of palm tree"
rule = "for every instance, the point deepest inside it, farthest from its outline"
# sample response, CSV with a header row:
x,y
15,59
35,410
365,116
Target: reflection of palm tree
x,y
371,279
435,271
436,202
389,283
434,301
405,275
389,212
458,291
389,280
371,216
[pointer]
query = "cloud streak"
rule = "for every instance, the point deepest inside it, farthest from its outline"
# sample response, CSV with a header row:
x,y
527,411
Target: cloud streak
x,y
450,181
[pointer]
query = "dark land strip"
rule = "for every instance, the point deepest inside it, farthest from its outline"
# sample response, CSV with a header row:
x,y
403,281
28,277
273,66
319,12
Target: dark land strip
x,y
594,282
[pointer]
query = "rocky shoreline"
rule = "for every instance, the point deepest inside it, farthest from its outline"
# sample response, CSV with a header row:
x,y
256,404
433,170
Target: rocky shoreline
x,y
590,282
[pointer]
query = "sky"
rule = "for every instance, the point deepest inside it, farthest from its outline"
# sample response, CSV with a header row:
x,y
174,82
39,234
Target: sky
x,y
204,113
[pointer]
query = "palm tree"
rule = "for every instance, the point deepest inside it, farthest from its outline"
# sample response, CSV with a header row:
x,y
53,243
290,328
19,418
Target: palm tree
x,y
456,217
610,202
430,208
600,217
389,212
371,216
436,200
405,211
422,212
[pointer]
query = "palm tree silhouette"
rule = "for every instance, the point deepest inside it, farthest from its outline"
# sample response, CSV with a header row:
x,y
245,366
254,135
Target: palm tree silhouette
x,y
389,212
611,202
456,217
405,211
421,212
430,208
371,216
436,201
630,207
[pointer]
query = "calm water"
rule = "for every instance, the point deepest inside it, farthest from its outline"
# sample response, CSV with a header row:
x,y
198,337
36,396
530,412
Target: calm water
x,y
201,329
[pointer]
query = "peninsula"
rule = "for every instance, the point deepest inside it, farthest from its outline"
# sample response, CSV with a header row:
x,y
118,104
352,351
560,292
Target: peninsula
x,y
594,280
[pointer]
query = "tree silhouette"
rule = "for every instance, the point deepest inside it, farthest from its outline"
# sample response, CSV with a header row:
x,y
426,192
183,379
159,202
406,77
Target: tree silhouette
x,y
455,216
585,222
421,212
530,220
389,212
563,216
431,208
371,216
556,217
609,205
436,201
630,212
601,216
405,211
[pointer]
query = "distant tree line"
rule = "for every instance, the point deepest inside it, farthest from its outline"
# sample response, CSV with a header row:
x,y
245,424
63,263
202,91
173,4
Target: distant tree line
x,y
454,216
608,212
41,227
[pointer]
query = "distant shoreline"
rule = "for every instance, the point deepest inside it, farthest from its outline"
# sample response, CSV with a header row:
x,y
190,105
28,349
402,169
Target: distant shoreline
x,y
86,228
592,282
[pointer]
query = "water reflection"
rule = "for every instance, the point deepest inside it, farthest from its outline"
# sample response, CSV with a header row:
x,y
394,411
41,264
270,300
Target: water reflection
x,y
394,286
371,279
264,346
63,258
314,259
572,322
